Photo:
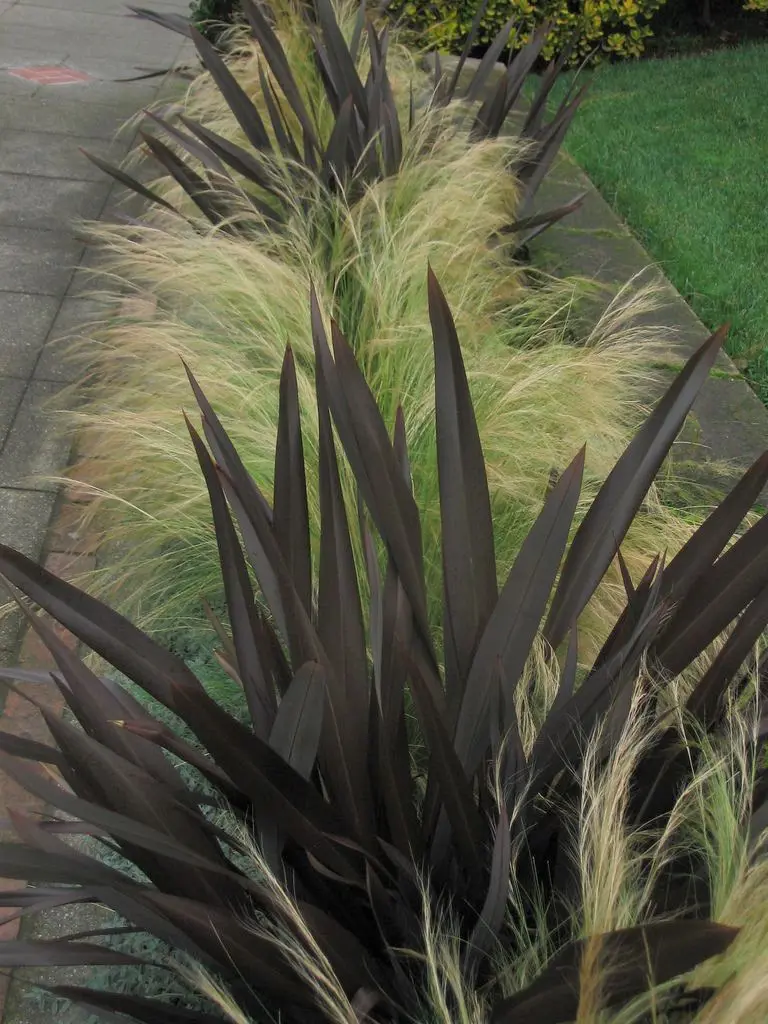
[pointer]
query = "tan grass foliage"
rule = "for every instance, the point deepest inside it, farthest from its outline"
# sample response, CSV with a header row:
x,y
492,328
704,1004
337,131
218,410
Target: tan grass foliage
x,y
542,382
229,308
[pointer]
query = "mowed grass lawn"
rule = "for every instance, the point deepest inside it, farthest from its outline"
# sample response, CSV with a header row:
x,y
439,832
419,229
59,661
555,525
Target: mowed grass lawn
x,y
680,148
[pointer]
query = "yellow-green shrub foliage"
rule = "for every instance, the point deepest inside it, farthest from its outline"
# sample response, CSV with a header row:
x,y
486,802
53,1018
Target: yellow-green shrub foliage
x,y
605,26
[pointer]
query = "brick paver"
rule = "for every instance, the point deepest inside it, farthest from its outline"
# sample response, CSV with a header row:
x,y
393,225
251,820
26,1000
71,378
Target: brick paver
x,y
50,74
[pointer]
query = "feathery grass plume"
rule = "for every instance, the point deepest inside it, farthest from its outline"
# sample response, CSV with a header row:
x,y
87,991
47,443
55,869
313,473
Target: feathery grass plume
x,y
617,863
719,821
229,307
722,803
205,103
356,811
612,857
742,1000
216,993
712,829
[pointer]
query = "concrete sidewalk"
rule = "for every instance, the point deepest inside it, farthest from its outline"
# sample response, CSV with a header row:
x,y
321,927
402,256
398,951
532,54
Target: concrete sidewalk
x,y
59,60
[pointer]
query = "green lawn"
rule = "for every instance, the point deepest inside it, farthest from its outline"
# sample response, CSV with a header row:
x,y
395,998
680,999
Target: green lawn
x,y
680,148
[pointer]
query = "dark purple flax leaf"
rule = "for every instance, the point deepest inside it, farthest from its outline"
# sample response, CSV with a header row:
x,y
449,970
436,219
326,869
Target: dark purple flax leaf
x,y
367,446
298,724
605,525
139,1008
517,616
490,58
174,22
130,182
17,953
469,561
241,606
491,918
245,113
280,68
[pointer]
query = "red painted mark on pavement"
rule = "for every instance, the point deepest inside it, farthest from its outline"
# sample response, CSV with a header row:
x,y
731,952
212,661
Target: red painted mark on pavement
x,y
50,74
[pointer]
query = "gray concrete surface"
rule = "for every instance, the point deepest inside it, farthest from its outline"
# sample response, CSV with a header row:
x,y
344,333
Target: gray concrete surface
x,y
46,186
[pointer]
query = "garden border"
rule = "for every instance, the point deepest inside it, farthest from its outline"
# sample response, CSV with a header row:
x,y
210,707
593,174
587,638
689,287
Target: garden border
x,y
731,425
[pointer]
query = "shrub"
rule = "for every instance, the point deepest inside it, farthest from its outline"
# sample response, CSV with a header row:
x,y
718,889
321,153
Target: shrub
x,y
372,868
591,29
594,27
212,17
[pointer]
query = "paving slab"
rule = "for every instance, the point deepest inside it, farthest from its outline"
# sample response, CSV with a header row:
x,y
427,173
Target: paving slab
x,y
36,448
37,262
57,362
69,19
48,112
105,87
12,391
49,203
25,323
104,6
160,44
16,55
14,87
25,515
45,154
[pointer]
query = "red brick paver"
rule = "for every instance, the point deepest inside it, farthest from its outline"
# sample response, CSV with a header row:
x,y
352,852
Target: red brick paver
x,y
71,552
50,74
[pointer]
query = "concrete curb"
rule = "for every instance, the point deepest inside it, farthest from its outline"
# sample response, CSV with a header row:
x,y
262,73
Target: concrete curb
x,y
729,423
